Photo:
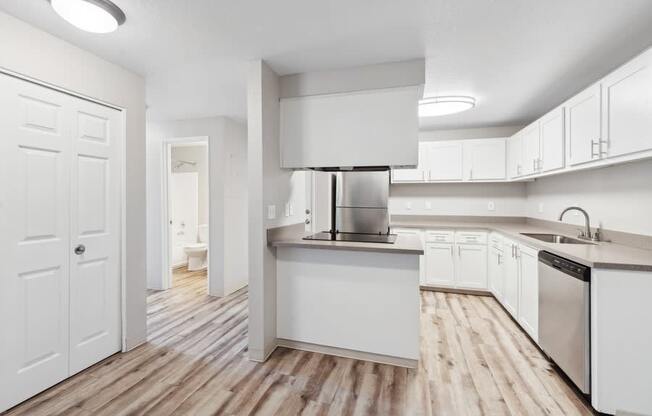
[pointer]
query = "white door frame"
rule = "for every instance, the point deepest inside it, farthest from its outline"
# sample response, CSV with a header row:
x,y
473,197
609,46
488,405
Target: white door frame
x,y
166,171
122,143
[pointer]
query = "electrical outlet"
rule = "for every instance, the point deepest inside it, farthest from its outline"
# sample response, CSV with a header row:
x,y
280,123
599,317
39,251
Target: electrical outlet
x,y
271,212
540,207
428,205
408,205
491,206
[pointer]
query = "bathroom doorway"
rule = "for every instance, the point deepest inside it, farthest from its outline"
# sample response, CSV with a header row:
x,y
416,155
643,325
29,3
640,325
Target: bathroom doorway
x,y
186,211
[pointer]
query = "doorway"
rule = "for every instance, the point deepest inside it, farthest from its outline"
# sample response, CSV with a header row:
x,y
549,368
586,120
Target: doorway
x,y
186,207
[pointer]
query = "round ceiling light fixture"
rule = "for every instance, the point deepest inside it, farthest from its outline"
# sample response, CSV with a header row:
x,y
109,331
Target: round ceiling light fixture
x,y
442,105
96,16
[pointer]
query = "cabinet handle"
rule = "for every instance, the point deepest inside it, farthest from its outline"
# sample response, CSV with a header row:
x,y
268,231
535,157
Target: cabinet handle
x,y
593,144
534,165
471,173
451,251
604,152
459,251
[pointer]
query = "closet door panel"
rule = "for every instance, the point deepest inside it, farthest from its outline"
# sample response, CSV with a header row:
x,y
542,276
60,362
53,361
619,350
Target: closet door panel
x,y
34,204
95,233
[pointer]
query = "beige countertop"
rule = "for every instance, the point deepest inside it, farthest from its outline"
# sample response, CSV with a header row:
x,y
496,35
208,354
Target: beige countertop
x,y
600,255
404,244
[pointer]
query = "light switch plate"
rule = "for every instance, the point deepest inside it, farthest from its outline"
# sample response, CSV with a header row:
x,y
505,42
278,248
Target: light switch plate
x,y
540,207
491,206
428,205
271,212
408,205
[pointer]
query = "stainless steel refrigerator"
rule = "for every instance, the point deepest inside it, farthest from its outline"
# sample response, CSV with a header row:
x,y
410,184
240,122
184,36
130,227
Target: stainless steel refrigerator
x,y
359,210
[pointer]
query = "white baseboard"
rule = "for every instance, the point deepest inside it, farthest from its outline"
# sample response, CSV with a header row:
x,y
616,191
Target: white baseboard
x,y
346,353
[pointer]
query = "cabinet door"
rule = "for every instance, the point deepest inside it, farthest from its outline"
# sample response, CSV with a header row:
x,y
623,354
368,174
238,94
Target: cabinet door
x,y
484,159
440,266
583,126
496,273
627,103
471,270
419,234
445,161
552,141
528,311
510,298
530,139
515,156
412,175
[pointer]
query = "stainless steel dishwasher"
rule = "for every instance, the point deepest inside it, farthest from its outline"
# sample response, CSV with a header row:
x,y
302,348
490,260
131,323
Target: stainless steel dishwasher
x,y
564,316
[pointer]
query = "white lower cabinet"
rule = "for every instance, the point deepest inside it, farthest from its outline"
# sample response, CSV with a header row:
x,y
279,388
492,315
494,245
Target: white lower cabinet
x,y
510,298
471,266
440,264
496,269
419,234
456,259
528,312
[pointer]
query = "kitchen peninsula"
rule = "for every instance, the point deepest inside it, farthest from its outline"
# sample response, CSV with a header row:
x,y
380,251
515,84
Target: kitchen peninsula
x,y
352,299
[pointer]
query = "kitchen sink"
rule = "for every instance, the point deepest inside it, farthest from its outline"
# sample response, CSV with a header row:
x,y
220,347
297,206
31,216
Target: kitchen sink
x,y
554,238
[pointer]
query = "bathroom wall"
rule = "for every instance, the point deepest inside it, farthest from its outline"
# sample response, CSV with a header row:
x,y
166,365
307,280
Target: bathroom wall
x,y
199,155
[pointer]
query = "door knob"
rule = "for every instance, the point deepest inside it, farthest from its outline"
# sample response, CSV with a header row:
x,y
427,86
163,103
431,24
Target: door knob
x,y
80,249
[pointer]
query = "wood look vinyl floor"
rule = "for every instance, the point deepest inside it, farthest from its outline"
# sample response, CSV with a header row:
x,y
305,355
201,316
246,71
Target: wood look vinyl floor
x,y
474,361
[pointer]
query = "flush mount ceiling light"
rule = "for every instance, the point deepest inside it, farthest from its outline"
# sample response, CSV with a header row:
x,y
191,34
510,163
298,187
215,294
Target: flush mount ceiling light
x,y
442,105
97,16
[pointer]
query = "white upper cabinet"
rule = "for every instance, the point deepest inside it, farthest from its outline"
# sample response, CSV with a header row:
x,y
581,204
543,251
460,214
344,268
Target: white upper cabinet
x,y
515,156
627,108
484,159
413,175
444,161
583,136
551,127
530,137
367,128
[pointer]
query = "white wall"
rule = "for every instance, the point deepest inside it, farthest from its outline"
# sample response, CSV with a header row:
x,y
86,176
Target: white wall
x,y
617,198
268,185
461,134
199,155
216,128
32,52
368,77
458,199
236,255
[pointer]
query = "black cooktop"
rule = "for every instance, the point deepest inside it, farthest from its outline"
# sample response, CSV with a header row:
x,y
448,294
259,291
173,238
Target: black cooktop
x,y
354,237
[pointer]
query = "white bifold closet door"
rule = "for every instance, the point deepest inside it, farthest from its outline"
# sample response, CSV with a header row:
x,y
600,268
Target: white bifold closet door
x,y
60,241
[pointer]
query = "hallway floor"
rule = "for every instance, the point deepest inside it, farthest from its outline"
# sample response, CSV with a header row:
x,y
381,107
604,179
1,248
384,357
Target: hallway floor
x,y
475,361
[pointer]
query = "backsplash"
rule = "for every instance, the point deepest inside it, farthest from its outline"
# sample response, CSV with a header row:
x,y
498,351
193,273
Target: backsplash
x,y
483,199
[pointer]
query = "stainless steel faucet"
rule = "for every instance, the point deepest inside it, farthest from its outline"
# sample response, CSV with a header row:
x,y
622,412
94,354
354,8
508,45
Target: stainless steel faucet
x,y
587,235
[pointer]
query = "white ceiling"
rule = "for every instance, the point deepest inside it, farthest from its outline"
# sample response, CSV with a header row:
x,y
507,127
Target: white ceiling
x,y
518,57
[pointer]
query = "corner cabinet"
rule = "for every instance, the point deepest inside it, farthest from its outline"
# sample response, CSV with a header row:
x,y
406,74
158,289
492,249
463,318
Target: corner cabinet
x,y
364,128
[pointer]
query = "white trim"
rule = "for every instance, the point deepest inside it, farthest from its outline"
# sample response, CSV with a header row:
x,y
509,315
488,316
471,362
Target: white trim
x,y
122,142
347,353
166,267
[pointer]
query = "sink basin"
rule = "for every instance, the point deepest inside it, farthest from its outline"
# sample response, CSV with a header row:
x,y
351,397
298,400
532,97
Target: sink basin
x,y
554,238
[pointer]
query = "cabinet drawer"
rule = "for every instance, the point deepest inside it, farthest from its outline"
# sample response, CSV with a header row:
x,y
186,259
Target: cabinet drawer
x,y
471,237
496,241
440,236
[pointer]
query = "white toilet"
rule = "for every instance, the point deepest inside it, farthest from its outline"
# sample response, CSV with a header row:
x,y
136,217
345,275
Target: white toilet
x,y
198,252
